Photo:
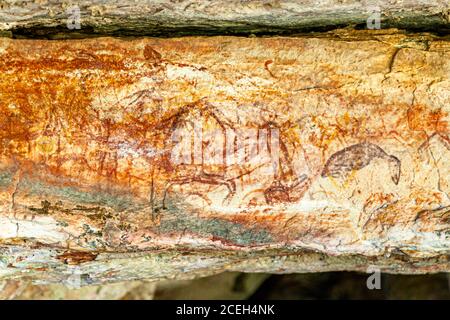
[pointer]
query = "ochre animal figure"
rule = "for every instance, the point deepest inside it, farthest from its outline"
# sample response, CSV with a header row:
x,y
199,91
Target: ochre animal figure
x,y
280,192
356,157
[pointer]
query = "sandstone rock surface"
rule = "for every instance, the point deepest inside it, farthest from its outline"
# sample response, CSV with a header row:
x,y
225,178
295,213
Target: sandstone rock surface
x,y
314,153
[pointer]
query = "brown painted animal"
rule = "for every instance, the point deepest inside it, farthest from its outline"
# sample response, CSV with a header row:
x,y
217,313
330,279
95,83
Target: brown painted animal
x,y
356,157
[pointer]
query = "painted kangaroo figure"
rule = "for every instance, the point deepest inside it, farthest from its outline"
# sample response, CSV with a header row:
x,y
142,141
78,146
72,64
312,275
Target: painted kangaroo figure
x,y
339,165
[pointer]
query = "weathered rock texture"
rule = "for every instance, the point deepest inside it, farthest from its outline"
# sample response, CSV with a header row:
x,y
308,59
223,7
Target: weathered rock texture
x,y
167,17
223,286
356,171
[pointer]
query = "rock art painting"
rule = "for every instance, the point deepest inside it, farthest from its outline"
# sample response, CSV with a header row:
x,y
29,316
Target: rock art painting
x,y
302,142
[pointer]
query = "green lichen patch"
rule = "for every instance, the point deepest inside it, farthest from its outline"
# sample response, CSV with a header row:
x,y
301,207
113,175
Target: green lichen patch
x,y
181,219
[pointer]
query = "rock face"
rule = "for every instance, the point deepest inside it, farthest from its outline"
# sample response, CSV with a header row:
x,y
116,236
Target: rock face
x,y
154,158
181,17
